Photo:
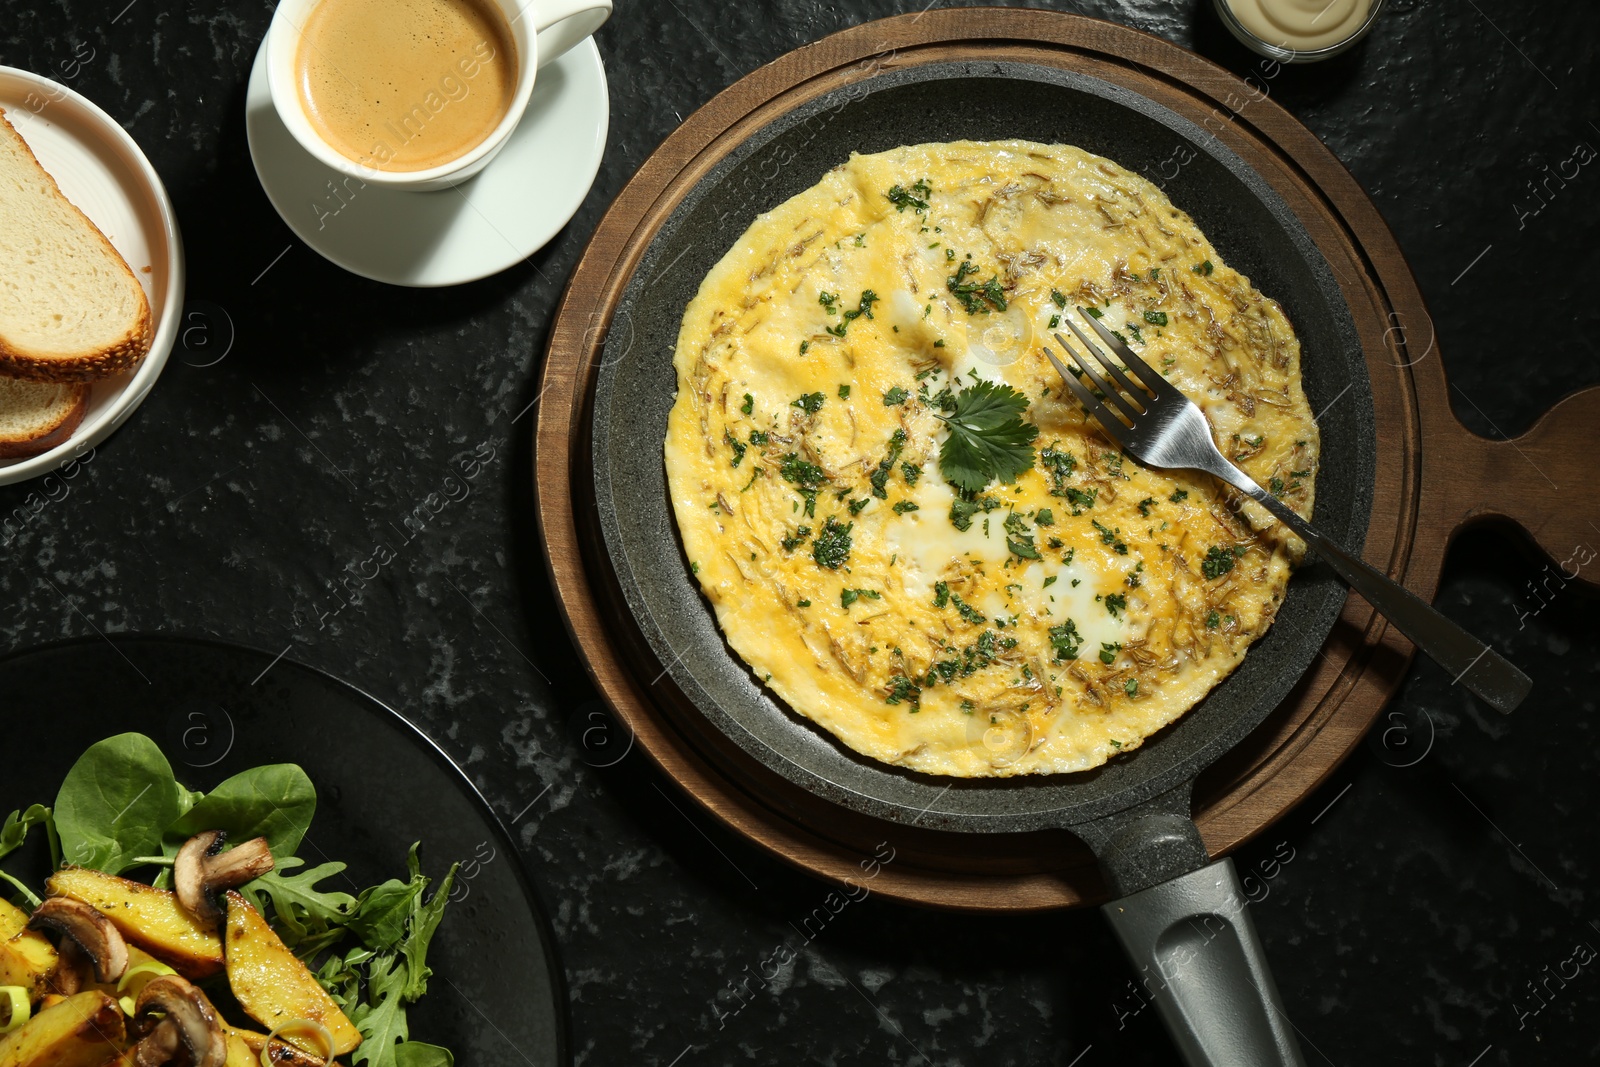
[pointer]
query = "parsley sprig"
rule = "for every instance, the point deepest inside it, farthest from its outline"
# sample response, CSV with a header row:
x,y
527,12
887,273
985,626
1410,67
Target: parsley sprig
x,y
988,438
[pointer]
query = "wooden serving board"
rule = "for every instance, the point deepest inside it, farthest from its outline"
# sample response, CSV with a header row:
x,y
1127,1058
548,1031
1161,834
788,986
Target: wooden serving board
x,y
1432,475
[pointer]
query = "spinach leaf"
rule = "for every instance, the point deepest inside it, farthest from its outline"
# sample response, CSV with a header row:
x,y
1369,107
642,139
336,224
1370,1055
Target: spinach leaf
x,y
422,1054
276,801
115,802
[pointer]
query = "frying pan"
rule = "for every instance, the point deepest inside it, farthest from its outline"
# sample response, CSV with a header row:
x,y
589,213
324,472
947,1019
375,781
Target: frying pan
x,y
1181,917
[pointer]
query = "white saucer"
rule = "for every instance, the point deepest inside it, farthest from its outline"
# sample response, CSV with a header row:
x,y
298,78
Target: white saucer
x,y
486,224
100,169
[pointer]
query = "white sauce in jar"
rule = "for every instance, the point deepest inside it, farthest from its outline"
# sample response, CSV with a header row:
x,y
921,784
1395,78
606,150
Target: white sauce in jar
x,y
1303,25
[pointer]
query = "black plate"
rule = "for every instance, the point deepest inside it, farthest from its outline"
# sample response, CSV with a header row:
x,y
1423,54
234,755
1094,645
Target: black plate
x,y
496,995
1249,224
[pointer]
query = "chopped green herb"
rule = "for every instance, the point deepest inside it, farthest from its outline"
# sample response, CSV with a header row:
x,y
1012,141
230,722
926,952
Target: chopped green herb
x,y
1218,561
904,689
1155,274
1048,582
1131,687
803,604
1203,267
1059,300
967,611
880,476
850,596
739,447
1212,621
1018,539
1094,312
1145,505
810,403
857,505
1116,604
910,472
1066,640
1156,318
749,404
974,297
863,307
1110,537
1044,517
903,506
1108,652
829,302
894,396
1133,328
844,392
916,198
795,541
1276,485
1179,496
964,507
758,437
807,478
941,594
831,547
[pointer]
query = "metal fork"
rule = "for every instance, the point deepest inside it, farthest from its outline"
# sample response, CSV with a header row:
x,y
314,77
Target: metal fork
x,y
1164,428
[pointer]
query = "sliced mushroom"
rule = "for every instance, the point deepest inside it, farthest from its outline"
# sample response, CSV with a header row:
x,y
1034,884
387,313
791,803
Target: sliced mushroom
x,y
189,1034
201,869
81,925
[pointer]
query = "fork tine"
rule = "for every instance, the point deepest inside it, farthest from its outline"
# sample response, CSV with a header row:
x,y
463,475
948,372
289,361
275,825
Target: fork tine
x,y
1113,426
1147,375
1137,393
1105,387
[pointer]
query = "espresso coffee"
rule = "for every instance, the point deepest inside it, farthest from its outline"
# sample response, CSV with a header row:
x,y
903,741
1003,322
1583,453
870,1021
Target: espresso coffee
x,y
403,85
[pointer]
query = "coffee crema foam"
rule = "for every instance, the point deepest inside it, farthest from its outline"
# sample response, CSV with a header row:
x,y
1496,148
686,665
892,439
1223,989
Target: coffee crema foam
x,y
405,85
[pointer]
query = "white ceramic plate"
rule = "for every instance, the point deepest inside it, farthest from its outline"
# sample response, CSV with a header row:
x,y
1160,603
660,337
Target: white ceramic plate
x,y
487,223
101,170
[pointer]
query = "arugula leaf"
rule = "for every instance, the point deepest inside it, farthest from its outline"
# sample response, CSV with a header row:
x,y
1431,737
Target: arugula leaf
x,y
115,802
300,911
988,439
382,1019
276,801
424,922
14,831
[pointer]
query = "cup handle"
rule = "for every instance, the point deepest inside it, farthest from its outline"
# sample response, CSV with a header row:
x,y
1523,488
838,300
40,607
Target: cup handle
x,y
561,24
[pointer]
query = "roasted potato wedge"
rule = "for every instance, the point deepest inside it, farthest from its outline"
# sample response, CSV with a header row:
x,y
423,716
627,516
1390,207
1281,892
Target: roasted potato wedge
x,y
13,920
148,917
244,1050
271,985
26,956
84,1030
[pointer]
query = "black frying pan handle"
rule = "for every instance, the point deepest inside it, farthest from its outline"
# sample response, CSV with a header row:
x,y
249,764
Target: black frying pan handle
x,y
1198,957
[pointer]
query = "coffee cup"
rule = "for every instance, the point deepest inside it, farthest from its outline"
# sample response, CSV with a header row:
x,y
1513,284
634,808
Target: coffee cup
x,y
386,153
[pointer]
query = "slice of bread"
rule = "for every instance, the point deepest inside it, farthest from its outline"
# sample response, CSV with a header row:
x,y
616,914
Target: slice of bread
x,y
70,309
37,416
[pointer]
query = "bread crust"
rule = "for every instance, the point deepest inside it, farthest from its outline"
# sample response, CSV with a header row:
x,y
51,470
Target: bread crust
x,y
122,355
23,447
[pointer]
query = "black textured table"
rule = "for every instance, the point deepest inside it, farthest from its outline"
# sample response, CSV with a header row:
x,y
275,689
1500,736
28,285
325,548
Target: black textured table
x,y
1430,905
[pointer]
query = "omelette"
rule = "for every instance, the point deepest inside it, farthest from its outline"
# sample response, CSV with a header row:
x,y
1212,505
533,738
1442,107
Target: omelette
x,y
908,528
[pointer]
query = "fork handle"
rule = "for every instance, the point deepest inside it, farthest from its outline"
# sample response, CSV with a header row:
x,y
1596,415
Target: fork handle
x,y
1485,673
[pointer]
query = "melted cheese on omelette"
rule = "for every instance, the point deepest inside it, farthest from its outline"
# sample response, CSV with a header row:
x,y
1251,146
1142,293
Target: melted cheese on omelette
x,y
1043,625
